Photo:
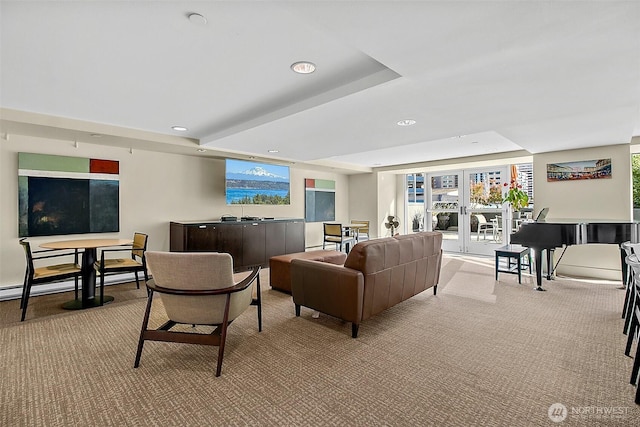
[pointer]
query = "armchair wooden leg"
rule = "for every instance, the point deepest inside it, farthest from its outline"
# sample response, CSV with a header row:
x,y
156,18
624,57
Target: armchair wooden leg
x,y
145,323
435,289
223,335
258,302
297,310
137,280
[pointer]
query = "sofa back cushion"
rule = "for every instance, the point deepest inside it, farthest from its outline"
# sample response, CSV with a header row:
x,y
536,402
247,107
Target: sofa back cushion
x,y
396,268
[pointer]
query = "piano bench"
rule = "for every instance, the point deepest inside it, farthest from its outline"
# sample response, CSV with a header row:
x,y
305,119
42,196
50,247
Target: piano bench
x,y
510,252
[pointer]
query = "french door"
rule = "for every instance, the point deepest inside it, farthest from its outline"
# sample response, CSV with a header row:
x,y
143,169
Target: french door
x,y
466,206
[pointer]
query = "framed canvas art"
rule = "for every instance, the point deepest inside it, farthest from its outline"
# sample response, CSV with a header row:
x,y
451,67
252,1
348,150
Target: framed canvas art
x,y
67,195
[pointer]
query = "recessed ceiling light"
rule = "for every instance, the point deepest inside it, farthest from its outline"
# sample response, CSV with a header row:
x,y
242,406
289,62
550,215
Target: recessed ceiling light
x,y
201,150
95,135
406,122
179,128
303,67
196,18
274,151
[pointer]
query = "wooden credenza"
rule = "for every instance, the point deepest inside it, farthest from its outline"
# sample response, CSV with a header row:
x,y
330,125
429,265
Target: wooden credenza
x,y
250,243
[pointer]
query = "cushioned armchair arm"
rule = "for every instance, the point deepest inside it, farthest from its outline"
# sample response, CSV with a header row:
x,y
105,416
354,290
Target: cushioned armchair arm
x,y
329,288
240,286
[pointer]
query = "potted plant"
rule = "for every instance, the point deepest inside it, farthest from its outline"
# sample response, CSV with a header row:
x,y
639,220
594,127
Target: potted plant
x,y
515,196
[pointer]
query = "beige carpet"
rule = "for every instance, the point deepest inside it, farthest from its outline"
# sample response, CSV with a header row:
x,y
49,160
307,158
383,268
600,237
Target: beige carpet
x,y
480,353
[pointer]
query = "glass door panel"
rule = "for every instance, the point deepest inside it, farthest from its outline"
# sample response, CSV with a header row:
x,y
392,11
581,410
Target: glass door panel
x,y
443,208
483,209
466,207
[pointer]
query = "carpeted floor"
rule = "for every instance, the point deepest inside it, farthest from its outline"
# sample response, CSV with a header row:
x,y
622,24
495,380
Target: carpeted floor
x,y
480,352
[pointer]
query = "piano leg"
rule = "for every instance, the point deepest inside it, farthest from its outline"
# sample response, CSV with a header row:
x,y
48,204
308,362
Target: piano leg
x,y
550,264
538,262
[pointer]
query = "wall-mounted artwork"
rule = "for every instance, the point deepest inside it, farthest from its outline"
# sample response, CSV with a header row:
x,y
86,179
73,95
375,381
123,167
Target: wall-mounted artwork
x,y
319,200
586,169
252,183
67,195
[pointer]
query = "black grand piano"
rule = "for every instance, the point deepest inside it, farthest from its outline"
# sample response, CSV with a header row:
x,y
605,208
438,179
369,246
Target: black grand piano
x,y
542,234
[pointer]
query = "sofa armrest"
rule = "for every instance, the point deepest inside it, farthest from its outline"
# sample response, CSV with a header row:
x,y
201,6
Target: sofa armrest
x,y
329,288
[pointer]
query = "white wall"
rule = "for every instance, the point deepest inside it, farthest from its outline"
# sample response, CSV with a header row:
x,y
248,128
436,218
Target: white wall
x,y
363,191
155,188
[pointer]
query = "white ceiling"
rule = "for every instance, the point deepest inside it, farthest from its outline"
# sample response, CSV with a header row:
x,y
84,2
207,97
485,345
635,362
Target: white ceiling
x,y
477,76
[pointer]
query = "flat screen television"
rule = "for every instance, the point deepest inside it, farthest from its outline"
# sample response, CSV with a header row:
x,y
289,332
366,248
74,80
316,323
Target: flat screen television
x,y
253,183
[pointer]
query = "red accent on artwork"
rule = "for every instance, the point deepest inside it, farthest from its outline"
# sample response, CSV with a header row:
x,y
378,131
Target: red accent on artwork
x,y
104,166
309,183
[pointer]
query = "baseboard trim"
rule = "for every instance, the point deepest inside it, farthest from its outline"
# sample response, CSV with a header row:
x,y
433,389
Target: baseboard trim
x,y
15,291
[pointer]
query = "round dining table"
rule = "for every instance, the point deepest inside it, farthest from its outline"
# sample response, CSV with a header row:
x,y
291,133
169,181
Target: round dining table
x,y
90,249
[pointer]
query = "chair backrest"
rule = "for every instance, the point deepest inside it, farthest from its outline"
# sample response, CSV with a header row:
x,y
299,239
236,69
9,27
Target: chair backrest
x,y
363,222
29,257
197,271
481,219
633,262
139,245
334,230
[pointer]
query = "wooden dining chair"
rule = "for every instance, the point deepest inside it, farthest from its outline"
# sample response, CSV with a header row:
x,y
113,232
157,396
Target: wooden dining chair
x,y
197,289
334,233
47,273
135,263
362,233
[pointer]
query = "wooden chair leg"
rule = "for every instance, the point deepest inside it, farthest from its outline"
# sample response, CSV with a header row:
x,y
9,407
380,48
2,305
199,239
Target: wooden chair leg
x,y
354,330
259,304
223,335
24,290
631,335
145,323
101,287
26,302
75,279
137,280
297,310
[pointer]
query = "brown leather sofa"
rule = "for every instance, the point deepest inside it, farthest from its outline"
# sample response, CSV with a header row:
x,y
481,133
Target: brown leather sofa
x,y
376,275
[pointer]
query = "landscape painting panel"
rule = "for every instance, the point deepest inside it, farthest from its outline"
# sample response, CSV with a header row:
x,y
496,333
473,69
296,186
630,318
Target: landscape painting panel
x,y
252,183
580,170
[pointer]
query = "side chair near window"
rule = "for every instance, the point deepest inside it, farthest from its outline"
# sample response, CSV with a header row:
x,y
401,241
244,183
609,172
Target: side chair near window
x,y
197,289
484,226
334,233
137,262
46,273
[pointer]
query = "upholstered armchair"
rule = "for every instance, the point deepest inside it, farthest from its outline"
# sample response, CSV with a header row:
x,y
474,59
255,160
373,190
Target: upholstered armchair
x,y
197,289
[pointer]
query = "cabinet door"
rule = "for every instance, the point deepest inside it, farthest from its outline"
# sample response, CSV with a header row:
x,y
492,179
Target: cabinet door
x,y
230,241
201,238
294,241
275,239
253,244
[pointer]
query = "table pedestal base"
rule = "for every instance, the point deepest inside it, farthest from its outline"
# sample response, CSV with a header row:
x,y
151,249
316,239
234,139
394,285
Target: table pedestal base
x,y
76,304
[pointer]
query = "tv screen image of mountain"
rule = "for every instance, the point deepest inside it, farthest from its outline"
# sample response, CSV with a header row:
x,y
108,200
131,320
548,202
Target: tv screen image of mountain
x,y
254,183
